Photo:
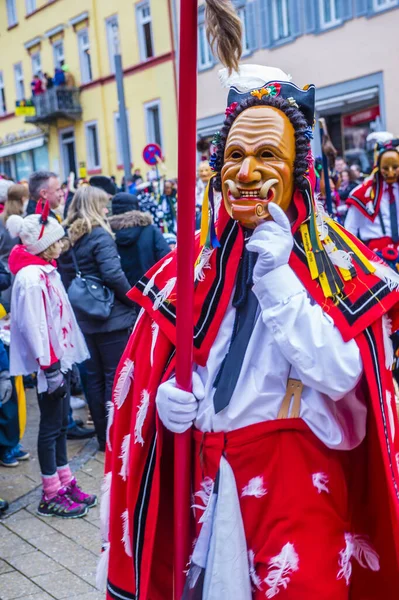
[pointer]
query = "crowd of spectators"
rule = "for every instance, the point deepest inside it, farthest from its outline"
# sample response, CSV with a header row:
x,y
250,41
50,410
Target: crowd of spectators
x,y
93,232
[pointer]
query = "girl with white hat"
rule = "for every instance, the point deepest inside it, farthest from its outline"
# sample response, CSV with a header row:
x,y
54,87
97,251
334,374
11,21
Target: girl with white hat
x,y
46,338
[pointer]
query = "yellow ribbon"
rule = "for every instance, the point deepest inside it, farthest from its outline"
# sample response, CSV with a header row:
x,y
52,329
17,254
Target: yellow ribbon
x,y
19,388
205,216
314,273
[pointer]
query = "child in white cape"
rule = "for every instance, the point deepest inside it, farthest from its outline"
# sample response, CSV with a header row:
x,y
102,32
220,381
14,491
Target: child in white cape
x,y
45,338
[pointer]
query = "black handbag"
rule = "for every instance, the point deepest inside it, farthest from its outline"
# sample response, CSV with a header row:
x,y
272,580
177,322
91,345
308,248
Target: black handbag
x,y
89,296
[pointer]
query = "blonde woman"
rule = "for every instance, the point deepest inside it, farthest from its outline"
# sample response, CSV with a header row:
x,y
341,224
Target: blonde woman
x,y
96,254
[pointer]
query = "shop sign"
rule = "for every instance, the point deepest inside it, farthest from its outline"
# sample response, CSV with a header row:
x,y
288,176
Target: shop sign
x,y
21,135
362,116
25,108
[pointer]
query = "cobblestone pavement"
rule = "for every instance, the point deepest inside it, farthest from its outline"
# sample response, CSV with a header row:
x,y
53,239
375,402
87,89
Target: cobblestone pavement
x,y
43,558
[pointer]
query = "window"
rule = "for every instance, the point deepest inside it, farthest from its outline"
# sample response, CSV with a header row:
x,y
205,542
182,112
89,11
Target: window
x,y
118,138
205,57
11,13
280,19
19,81
242,13
84,55
30,6
68,151
36,63
7,166
144,24
383,4
3,106
153,122
58,53
112,27
329,13
92,146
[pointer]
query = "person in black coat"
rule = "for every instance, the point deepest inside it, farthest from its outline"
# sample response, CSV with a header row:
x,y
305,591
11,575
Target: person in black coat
x,y
140,244
92,243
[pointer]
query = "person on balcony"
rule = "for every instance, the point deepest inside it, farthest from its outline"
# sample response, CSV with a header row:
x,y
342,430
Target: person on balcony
x,y
59,77
37,86
49,81
69,77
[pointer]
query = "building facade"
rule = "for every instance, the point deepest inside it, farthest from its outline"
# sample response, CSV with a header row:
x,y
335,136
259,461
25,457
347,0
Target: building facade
x,y
347,48
77,129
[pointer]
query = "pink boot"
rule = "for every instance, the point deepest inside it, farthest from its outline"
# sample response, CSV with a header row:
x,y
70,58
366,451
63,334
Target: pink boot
x,y
77,495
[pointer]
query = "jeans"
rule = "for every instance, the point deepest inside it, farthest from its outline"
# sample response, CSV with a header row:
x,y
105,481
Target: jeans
x,y
9,423
83,377
105,350
52,441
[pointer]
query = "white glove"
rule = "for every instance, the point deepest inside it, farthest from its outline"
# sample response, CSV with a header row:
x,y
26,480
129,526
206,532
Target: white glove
x,y
273,241
178,409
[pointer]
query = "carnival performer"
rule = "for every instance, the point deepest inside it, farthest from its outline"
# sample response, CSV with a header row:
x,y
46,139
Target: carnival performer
x,y
204,175
45,338
294,472
373,213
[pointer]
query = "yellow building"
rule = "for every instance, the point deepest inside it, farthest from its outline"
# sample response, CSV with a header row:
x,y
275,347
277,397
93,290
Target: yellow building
x,y
79,130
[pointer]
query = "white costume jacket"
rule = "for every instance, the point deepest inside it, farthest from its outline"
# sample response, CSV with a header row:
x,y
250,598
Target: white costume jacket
x,y
42,320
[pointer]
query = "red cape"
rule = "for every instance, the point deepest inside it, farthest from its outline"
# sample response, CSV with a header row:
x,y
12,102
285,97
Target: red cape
x,y
366,197
141,518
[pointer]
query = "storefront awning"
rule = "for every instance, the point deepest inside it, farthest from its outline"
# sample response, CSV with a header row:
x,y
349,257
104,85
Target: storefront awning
x,y
22,146
343,100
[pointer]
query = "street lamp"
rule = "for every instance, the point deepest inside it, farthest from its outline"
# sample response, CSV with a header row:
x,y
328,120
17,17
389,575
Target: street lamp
x,y
123,125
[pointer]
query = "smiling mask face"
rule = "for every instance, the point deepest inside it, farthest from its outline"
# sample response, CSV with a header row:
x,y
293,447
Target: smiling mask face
x,y
204,171
389,166
258,164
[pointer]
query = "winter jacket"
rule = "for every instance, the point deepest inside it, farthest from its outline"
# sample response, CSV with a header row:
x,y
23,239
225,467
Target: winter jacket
x,y
43,324
5,278
97,255
7,243
140,243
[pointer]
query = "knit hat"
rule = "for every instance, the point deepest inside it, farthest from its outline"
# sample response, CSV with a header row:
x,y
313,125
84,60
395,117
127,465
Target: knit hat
x,y
124,202
104,183
34,234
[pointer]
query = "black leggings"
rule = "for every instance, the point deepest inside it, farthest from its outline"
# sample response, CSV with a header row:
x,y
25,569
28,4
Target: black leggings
x,y
52,441
105,350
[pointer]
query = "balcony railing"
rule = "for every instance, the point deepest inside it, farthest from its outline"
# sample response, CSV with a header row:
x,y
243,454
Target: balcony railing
x,y
57,103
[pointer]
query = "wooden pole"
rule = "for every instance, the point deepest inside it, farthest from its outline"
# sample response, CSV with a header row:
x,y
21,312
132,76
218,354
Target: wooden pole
x,y
187,136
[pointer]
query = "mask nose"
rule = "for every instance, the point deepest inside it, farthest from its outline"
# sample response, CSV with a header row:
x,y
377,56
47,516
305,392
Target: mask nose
x,y
248,172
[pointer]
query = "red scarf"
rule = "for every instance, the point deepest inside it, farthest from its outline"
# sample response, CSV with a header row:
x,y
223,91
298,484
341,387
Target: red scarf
x,y
20,258
367,196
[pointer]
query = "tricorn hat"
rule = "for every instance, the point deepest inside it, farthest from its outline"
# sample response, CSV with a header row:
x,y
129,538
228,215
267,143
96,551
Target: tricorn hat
x,y
258,80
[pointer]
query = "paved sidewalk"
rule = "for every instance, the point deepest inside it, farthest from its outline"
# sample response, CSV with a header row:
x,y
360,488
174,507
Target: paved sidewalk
x,y
43,558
